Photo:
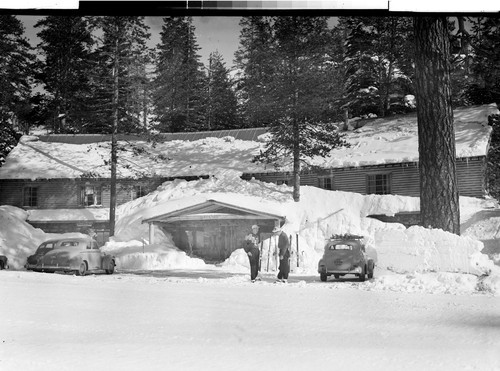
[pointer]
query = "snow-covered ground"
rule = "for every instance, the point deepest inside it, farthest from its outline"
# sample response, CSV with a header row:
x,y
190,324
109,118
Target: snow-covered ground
x,y
433,303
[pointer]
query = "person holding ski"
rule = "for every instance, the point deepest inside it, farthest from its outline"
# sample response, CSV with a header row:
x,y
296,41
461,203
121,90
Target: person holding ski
x,y
284,254
251,247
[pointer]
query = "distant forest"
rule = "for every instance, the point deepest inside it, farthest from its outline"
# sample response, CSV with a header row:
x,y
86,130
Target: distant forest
x,y
361,66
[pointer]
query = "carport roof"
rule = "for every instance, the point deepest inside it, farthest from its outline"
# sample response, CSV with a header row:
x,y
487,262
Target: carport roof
x,y
209,210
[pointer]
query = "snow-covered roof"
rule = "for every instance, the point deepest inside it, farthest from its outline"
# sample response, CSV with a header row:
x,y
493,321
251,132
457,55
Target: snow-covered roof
x,y
379,141
213,203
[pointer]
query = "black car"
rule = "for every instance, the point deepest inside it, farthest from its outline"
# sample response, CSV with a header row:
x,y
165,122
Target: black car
x,y
345,254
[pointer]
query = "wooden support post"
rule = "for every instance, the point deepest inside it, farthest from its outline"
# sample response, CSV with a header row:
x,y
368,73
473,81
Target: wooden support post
x,y
151,233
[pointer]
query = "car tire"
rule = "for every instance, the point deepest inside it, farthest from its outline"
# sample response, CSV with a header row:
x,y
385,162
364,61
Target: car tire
x,y
371,268
1,266
337,276
82,270
323,277
111,267
362,275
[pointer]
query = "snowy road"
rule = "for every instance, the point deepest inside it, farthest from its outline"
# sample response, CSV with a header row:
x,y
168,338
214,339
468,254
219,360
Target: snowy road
x,y
176,322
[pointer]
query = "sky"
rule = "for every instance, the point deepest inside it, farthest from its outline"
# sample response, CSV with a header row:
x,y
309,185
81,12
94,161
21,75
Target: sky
x,y
213,34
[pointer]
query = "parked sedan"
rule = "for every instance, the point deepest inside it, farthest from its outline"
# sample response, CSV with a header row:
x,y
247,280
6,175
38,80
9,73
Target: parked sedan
x,y
345,254
80,255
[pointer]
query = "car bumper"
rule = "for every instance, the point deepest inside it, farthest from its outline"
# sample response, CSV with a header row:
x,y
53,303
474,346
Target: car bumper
x,y
352,270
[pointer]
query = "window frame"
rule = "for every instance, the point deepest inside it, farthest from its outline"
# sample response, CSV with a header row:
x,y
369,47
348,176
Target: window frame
x,y
323,178
379,186
134,194
96,195
30,200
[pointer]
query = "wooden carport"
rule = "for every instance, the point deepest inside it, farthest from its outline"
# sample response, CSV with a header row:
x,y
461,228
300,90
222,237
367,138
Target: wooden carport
x,y
212,229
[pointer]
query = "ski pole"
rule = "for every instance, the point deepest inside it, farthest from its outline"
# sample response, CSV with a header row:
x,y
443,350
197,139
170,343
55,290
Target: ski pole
x,y
297,238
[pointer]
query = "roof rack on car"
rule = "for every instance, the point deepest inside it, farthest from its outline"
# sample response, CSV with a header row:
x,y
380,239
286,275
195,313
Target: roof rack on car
x,y
346,236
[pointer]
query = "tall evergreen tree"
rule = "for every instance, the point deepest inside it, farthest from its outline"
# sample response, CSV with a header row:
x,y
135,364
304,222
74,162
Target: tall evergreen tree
x,y
179,85
485,44
120,56
124,41
16,69
378,63
221,102
255,63
301,127
66,43
439,199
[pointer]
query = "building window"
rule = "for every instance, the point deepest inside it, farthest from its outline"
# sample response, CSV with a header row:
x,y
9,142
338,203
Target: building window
x,y
30,197
379,184
138,191
325,182
91,196
282,181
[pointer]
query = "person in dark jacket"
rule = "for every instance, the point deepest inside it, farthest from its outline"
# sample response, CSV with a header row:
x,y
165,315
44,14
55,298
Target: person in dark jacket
x,y
251,247
284,254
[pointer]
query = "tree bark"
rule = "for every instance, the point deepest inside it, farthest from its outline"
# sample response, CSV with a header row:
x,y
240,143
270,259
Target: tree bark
x,y
439,198
112,201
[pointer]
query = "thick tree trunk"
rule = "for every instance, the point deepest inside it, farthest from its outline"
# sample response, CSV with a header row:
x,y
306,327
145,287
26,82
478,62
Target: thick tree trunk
x,y
296,162
112,201
439,198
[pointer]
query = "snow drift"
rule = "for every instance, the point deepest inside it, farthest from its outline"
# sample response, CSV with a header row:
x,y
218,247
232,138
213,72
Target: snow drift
x,y
319,214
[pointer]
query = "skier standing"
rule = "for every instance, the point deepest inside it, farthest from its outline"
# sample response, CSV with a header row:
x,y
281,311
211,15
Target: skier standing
x,y
251,247
284,254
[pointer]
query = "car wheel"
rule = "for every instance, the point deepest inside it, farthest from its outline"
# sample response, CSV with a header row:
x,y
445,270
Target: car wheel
x,y
111,267
370,271
323,277
337,276
1,266
83,269
362,275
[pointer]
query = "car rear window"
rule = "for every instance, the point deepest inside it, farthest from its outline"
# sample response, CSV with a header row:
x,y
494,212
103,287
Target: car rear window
x,y
340,247
69,243
45,248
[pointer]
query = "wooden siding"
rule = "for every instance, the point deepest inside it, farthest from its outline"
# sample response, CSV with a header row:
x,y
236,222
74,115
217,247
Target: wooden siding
x,y
405,178
66,193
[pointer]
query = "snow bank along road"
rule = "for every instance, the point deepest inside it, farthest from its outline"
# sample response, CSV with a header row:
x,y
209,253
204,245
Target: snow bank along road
x,y
139,322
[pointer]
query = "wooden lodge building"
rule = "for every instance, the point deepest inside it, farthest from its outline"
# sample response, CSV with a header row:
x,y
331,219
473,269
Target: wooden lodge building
x,y
65,187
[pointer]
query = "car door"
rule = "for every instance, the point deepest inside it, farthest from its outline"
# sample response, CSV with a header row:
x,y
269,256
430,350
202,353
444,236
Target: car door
x,y
67,250
49,258
93,255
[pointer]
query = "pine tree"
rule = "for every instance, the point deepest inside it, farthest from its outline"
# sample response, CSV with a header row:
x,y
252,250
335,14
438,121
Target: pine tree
x,y
179,86
485,43
124,41
16,69
66,43
378,64
297,88
255,63
439,201
221,102
121,54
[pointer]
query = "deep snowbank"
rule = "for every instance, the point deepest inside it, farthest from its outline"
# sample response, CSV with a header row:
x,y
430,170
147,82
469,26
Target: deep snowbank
x,y
431,254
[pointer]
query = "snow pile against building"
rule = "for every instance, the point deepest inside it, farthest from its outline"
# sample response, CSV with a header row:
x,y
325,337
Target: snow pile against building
x,y
319,214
